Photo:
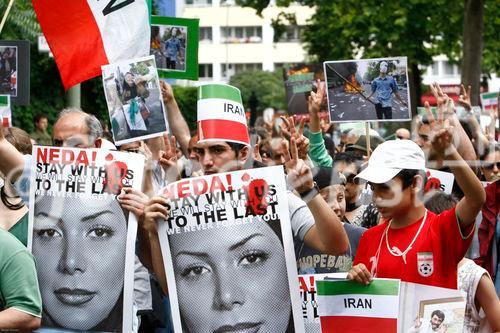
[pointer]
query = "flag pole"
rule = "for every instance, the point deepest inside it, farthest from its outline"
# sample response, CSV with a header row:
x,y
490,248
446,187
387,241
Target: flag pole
x,y
4,18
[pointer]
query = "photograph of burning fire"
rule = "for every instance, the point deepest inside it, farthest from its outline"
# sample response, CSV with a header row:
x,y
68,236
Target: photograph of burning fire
x,y
368,90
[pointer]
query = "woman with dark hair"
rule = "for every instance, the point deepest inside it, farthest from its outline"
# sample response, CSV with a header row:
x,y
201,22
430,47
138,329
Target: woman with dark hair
x,y
13,211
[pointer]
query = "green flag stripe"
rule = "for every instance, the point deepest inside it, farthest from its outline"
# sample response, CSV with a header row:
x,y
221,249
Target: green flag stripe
x,y
219,91
490,95
4,100
376,287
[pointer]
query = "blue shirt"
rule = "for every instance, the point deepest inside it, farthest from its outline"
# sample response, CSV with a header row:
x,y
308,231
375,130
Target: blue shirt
x,y
172,47
384,87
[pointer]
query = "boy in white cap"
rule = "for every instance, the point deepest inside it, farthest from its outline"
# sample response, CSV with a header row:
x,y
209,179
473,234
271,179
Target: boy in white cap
x,y
384,86
413,244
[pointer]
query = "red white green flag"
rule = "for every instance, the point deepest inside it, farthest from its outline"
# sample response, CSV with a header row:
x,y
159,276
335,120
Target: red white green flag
x,y
346,306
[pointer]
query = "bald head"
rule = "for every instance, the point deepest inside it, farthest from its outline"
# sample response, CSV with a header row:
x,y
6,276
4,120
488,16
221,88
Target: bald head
x,y
403,134
75,128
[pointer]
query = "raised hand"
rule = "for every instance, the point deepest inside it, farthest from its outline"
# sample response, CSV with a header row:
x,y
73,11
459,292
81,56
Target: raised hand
x,y
154,209
133,201
299,174
316,98
441,132
438,94
464,98
289,131
166,92
168,158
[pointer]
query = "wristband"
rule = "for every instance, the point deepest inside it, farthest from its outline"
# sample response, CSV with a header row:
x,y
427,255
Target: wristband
x,y
310,194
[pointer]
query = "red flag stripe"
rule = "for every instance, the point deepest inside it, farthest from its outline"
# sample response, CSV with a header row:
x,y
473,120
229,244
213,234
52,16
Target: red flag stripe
x,y
70,24
224,130
346,324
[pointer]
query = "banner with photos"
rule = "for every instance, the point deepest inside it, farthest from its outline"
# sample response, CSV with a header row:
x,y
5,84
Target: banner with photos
x,y
228,252
85,252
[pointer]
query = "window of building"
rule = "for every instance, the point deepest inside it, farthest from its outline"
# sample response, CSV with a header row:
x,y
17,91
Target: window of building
x,y
205,71
435,68
449,69
241,34
205,34
292,34
198,2
238,68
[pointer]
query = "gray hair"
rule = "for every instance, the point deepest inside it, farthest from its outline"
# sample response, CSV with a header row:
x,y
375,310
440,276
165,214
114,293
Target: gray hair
x,y
93,124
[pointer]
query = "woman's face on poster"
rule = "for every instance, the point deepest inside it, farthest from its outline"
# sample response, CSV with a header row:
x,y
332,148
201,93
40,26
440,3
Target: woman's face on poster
x,y
80,251
232,279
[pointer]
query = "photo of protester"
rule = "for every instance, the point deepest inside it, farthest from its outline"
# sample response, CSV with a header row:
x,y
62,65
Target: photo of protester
x,y
168,45
368,90
8,70
134,100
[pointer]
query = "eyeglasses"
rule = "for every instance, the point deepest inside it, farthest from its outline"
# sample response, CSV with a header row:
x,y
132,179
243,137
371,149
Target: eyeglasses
x,y
491,166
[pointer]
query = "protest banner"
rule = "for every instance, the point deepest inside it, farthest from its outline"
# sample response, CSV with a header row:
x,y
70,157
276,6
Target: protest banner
x,y
228,252
85,252
419,303
134,100
5,111
174,44
221,115
309,298
300,80
15,70
362,90
439,180
347,306
83,35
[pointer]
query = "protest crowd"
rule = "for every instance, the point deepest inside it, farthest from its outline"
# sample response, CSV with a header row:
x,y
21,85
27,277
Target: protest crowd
x,y
354,203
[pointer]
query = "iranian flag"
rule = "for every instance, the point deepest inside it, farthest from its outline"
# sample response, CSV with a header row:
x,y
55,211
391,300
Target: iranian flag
x,y
346,306
489,100
5,111
83,35
221,116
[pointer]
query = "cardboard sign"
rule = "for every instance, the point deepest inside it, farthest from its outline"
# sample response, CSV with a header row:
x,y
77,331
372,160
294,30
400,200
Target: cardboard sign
x,y
228,252
81,238
439,180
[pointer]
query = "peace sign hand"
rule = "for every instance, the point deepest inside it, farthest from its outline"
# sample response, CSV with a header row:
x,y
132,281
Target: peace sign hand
x,y
288,130
316,98
464,98
441,132
299,174
168,158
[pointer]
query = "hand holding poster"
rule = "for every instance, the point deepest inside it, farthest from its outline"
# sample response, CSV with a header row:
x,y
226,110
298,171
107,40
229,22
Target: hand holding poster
x,y
81,237
228,253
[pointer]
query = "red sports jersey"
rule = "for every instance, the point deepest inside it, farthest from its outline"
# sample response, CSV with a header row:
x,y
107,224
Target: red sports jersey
x,y
433,258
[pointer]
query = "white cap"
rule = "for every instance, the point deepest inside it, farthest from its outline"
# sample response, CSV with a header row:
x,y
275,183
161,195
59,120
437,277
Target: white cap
x,y
390,157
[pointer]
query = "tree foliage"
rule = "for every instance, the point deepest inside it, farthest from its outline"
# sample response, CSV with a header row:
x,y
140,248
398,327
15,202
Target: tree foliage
x,y
268,87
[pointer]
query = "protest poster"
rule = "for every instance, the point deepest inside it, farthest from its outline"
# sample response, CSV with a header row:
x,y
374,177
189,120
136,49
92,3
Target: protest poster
x,y
174,44
84,35
489,101
5,111
300,80
134,100
439,180
15,70
309,299
228,252
347,306
85,252
368,90
420,303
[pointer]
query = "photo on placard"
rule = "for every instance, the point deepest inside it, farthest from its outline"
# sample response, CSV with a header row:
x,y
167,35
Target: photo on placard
x,y
368,90
300,80
5,111
82,238
446,312
15,70
228,254
174,45
134,100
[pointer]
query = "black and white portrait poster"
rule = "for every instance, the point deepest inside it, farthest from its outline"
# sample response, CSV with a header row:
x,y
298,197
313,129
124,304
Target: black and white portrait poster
x,y
82,239
134,100
228,253
15,70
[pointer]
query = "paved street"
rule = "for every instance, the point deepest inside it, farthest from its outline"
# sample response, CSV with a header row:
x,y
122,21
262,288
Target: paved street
x,y
352,106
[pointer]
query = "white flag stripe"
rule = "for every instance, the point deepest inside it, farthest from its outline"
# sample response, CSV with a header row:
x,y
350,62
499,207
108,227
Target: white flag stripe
x,y
213,108
125,32
382,306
